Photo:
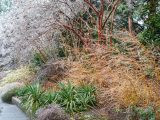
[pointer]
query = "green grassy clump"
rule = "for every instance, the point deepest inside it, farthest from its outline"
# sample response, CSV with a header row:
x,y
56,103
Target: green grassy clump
x,y
71,98
76,99
32,97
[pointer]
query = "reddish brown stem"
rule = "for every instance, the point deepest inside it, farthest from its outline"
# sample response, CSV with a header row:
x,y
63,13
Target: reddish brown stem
x,y
113,8
92,7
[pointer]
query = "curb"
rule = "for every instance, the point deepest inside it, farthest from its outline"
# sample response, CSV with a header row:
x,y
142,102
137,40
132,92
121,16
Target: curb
x,y
16,101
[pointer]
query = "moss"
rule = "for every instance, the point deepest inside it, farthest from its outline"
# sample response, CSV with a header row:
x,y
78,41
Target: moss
x,y
7,97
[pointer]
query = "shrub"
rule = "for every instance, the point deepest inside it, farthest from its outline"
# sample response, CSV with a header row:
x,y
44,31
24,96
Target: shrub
x,y
151,34
38,59
142,113
148,38
7,97
52,72
149,72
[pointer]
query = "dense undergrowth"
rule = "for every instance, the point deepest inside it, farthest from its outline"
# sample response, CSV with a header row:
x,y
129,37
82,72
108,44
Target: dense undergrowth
x,y
126,80
73,99
111,73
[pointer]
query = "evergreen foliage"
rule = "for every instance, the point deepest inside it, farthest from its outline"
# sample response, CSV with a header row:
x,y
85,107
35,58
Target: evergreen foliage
x,y
151,17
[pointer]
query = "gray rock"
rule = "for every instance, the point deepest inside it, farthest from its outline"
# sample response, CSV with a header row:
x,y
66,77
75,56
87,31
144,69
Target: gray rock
x,y
51,112
53,72
9,86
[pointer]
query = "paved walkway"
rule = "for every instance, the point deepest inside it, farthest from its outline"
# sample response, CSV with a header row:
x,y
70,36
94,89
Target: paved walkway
x,y
11,112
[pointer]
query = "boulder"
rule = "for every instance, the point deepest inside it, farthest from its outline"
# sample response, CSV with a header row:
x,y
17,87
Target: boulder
x,y
51,112
8,87
53,72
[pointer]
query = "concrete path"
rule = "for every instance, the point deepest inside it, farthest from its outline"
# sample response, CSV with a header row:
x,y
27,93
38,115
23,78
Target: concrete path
x,y
11,112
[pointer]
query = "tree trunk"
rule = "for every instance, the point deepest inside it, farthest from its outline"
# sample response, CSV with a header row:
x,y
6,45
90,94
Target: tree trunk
x,y
130,20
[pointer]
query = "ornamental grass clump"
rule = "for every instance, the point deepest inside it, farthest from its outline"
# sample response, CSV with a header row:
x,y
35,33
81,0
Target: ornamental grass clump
x,y
76,99
71,98
32,97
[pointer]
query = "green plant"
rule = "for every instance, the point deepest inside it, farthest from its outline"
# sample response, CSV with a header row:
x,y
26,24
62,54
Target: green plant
x,y
73,99
149,72
76,99
62,52
143,113
22,91
50,97
37,59
86,96
7,97
121,47
151,35
68,97
32,97
149,38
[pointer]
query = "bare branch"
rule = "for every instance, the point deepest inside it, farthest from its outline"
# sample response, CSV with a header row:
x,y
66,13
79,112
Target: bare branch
x,y
91,6
113,8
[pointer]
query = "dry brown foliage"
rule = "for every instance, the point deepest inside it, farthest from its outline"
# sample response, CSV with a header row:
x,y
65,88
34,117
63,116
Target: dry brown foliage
x,y
121,79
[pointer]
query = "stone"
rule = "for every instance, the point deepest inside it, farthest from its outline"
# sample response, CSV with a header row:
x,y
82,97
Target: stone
x,y
9,86
51,112
11,112
53,72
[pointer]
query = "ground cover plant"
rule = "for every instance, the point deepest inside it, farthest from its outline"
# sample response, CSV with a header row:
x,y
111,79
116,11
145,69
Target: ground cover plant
x,y
71,98
142,113
32,97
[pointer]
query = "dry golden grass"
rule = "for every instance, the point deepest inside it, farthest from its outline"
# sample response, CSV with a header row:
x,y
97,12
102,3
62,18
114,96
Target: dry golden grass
x,y
120,79
22,74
